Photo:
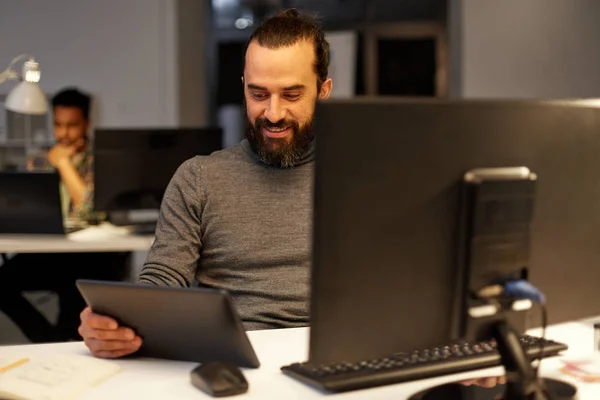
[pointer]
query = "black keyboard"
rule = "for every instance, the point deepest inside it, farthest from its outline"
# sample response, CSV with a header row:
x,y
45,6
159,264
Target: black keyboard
x,y
404,367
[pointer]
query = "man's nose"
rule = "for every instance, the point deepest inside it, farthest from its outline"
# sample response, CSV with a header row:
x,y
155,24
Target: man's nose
x,y
275,112
60,132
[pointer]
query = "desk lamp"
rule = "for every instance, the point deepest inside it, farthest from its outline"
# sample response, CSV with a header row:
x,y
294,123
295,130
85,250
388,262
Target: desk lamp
x,y
26,97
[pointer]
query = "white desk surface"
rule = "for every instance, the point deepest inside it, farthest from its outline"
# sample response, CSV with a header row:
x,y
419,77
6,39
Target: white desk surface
x,y
150,379
101,238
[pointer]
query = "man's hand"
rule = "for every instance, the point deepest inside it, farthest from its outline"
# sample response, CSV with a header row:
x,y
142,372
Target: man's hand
x,y
59,154
105,338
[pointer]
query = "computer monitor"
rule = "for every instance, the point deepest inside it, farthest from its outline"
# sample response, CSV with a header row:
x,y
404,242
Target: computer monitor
x,y
30,203
387,197
132,167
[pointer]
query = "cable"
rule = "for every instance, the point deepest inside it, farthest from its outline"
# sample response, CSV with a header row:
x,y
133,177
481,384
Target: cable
x,y
525,290
544,325
522,289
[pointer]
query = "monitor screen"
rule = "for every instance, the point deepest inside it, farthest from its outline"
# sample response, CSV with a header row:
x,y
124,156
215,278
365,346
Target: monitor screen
x,y
132,167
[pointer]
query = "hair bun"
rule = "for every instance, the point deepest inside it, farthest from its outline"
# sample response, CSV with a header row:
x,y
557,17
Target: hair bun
x,y
290,13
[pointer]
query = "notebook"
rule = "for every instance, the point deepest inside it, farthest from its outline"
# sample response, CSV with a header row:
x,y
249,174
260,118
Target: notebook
x,y
51,376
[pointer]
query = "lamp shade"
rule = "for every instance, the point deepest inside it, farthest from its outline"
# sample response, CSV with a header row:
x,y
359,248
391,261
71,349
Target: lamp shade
x,y
27,98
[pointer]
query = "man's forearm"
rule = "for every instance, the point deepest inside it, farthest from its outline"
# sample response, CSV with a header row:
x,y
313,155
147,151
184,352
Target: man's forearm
x,y
162,276
70,177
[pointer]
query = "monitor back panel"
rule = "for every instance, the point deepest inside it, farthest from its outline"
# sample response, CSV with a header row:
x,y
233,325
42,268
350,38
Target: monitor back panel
x,y
386,213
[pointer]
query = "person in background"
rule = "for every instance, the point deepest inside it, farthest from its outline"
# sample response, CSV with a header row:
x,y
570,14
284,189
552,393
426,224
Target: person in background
x,y
72,157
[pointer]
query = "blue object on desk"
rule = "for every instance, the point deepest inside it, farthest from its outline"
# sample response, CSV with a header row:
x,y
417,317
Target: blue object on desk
x,y
524,290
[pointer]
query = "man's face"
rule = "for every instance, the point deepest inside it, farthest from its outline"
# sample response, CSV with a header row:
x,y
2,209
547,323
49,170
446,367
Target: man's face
x,y
280,89
70,127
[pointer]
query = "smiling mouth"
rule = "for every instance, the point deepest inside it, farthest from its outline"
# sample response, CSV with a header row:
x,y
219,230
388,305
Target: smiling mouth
x,y
277,133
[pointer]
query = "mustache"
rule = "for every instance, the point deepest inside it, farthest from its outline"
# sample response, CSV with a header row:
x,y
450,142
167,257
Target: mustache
x,y
283,123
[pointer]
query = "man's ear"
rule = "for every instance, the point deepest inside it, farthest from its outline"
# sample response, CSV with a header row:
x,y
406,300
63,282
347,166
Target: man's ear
x,y
326,87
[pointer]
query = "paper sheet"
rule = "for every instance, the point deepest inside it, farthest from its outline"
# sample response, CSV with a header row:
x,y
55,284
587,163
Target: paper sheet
x,y
100,232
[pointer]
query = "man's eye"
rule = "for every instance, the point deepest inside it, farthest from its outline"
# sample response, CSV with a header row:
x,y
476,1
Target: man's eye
x,y
259,96
292,96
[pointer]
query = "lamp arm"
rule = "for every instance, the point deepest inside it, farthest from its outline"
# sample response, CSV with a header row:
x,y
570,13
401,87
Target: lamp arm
x,y
9,73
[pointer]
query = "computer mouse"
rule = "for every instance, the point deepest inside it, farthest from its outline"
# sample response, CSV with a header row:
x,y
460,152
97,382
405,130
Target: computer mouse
x,y
219,379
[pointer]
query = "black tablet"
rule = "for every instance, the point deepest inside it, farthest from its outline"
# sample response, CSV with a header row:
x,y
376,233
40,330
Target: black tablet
x,y
184,324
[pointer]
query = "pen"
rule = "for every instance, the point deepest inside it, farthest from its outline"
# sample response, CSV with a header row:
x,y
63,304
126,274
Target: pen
x,y
13,365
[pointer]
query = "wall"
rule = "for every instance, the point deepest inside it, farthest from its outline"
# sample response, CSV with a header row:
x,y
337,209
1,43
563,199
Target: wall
x,y
525,49
126,53
193,33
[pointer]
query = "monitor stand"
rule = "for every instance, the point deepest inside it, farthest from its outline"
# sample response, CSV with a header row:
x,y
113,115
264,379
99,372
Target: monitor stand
x,y
521,380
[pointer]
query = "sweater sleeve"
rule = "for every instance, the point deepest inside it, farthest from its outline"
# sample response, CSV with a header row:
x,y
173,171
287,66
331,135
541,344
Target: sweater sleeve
x,y
174,255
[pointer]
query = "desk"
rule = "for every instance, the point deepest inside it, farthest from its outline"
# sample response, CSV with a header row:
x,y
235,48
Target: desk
x,y
150,379
101,238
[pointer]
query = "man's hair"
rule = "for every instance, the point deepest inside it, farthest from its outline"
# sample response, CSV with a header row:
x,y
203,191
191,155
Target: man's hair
x,y
72,97
287,28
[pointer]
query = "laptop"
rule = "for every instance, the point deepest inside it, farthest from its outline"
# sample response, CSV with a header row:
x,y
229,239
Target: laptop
x,y
30,203
184,324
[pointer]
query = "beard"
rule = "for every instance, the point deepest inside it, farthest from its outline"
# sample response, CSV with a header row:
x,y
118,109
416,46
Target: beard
x,y
279,152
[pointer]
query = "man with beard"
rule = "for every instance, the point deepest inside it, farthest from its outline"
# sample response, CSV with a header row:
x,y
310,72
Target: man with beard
x,y
240,219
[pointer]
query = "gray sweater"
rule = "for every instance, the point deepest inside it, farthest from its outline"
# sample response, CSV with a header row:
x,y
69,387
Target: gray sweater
x,y
234,223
